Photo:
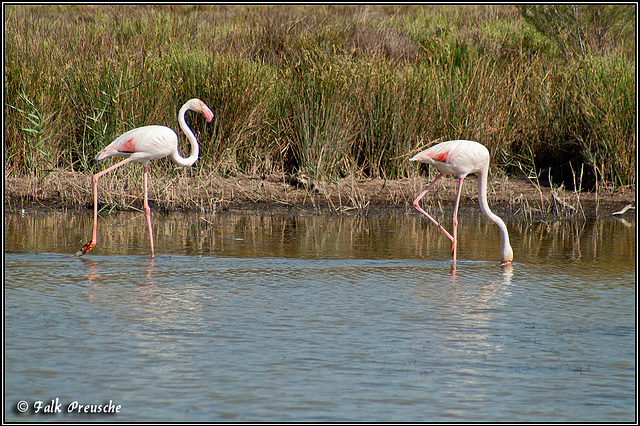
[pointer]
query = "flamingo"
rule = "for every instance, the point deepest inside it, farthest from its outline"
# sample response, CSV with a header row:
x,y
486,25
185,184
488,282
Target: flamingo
x,y
142,145
460,158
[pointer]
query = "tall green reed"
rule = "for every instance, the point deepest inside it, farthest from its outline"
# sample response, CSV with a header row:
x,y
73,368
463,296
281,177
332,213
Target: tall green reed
x,y
322,90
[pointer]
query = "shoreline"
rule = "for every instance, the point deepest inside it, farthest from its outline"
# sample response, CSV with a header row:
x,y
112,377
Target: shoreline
x,y
293,195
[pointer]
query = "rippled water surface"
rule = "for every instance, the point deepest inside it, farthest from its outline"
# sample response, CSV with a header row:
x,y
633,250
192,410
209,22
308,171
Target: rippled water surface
x,y
319,318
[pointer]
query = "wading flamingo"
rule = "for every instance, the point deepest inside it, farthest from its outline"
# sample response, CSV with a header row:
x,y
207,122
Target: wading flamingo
x,y
142,145
460,158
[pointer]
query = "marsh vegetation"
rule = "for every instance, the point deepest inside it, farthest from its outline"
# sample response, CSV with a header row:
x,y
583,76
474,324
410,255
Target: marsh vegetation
x,y
324,93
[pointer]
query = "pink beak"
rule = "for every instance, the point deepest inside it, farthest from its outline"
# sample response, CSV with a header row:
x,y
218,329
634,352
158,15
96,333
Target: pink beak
x,y
207,113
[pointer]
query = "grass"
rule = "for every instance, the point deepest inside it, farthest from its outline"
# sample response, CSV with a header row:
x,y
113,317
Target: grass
x,y
322,91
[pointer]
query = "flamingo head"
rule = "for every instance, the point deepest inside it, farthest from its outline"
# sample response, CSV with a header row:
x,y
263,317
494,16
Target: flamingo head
x,y
198,106
507,255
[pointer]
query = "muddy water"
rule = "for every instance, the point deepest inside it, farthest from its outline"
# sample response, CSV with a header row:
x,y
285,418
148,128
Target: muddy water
x,y
318,318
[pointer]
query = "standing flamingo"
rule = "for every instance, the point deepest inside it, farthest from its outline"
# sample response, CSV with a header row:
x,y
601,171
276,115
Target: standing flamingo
x,y
460,158
142,145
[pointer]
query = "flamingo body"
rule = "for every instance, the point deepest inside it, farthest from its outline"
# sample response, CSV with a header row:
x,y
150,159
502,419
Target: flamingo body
x,y
142,145
458,158
461,158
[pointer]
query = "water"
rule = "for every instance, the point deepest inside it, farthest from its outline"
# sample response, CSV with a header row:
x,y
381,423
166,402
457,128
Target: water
x,y
319,318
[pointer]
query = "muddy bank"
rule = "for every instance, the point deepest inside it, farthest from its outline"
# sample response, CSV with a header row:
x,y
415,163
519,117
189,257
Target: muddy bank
x,y
280,194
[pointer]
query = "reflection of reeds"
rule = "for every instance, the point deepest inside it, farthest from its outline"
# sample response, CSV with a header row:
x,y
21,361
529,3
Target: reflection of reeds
x,y
318,236
568,239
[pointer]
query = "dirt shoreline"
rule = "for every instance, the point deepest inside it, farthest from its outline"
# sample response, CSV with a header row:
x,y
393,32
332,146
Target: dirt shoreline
x,y
280,194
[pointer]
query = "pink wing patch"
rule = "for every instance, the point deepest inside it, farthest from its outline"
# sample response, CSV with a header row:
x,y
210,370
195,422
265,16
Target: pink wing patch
x,y
441,157
128,146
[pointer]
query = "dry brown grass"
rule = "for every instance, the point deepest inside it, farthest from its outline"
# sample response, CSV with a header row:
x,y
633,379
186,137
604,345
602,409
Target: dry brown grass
x,y
188,191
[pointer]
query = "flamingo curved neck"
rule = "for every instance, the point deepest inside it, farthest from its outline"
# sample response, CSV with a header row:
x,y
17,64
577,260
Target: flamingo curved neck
x,y
507,251
195,149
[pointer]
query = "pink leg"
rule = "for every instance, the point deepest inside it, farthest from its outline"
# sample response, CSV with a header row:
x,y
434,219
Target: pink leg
x,y
94,239
147,209
454,246
416,204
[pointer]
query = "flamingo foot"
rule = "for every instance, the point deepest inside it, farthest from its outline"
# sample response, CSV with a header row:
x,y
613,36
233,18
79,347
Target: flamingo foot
x,y
86,248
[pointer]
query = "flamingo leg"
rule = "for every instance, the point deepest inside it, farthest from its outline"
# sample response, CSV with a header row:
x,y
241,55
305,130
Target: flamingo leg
x,y
454,243
94,239
147,209
416,204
